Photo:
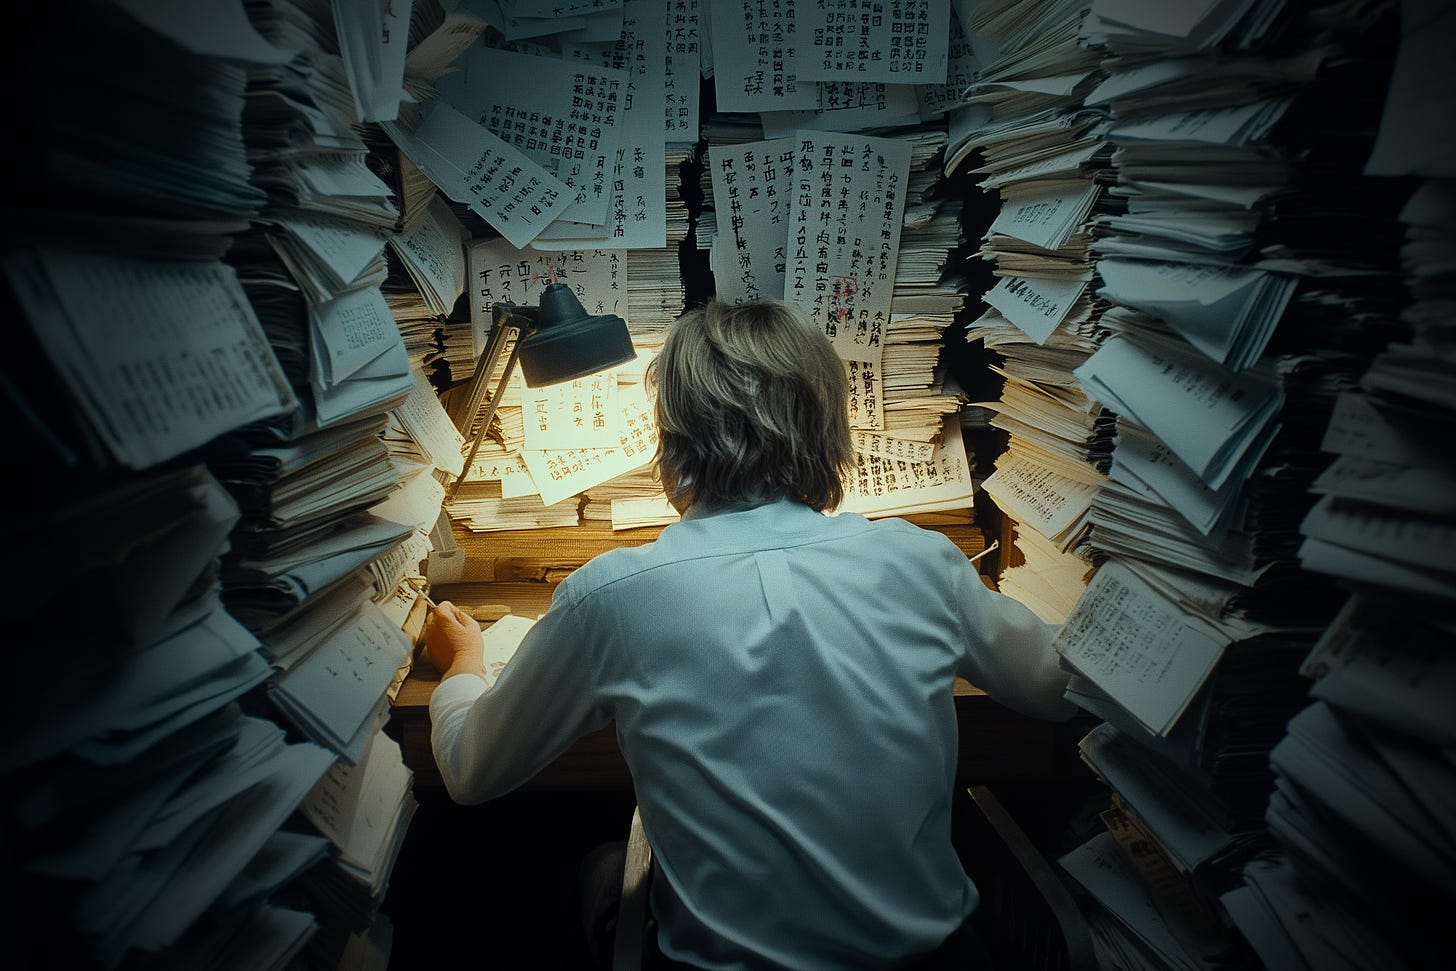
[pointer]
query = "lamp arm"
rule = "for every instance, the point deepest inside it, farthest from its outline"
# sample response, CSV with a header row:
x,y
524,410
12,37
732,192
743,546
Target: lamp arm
x,y
495,399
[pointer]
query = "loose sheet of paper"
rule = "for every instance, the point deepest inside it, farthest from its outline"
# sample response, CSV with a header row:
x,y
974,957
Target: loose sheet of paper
x,y
755,53
500,641
435,247
682,61
752,185
1036,306
1142,650
348,332
903,42
844,236
581,413
560,473
426,421
882,487
567,120
866,381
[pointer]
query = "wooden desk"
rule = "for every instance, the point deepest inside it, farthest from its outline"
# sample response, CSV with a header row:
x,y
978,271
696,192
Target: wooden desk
x,y
996,744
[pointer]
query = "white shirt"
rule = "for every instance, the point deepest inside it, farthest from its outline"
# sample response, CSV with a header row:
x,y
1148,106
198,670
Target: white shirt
x,y
781,684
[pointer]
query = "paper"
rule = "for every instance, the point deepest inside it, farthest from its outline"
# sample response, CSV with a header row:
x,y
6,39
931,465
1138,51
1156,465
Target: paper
x,y
752,185
890,447
1207,416
962,68
497,181
635,512
581,413
888,487
500,641
755,56
426,421
637,207
866,385
503,273
844,236
848,106
344,248
1046,217
902,42
1036,306
685,23
433,250
176,358
1038,497
509,469
567,120
561,473
435,54
348,332
373,36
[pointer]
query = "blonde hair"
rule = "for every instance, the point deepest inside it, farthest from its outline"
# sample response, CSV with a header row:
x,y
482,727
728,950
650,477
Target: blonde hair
x,y
752,406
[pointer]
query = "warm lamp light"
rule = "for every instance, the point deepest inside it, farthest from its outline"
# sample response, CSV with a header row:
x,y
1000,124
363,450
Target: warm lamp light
x,y
554,342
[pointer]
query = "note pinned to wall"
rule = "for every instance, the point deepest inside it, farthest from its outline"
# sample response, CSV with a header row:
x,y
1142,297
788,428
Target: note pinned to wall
x,y
901,43
844,236
866,386
475,168
684,29
755,57
1146,653
752,185
568,119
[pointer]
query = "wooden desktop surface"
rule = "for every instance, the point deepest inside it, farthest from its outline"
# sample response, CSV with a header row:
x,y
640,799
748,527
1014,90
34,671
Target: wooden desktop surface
x,y
996,744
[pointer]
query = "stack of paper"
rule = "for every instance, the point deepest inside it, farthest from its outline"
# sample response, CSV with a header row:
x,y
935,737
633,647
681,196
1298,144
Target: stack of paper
x,y
365,811
639,485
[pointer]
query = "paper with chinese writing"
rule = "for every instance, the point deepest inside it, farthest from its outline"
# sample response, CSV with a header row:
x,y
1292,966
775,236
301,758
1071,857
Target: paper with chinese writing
x,y
901,41
755,52
581,413
565,116
1148,655
879,487
560,473
502,273
844,236
752,183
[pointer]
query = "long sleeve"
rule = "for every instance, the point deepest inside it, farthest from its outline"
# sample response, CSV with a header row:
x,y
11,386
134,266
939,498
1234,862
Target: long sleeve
x,y
488,741
1009,652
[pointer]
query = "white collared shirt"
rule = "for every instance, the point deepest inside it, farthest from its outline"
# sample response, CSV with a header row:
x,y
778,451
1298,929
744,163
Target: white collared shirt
x,y
781,684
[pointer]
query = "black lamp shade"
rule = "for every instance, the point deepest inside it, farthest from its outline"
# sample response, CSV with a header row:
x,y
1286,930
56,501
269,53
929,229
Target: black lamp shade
x,y
567,343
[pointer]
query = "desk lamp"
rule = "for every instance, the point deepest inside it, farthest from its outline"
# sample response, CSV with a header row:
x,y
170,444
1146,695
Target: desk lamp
x,y
554,342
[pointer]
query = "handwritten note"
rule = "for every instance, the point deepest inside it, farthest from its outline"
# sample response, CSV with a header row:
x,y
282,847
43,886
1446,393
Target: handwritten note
x,y
903,42
848,106
568,119
582,413
844,236
1036,306
507,468
962,71
350,331
502,273
425,420
883,487
756,52
891,447
752,185
1046,217
560,473
472,166
176,358
866,383
637,208
1035,495
1148,655
680,73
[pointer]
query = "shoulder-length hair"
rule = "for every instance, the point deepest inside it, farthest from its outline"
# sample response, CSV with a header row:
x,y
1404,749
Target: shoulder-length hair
x,y
752,406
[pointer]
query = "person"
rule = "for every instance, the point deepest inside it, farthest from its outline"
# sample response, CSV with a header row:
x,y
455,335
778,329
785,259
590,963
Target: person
x,y
781,679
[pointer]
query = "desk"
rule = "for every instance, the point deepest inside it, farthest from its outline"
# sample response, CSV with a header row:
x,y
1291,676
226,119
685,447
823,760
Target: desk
x,y
996,744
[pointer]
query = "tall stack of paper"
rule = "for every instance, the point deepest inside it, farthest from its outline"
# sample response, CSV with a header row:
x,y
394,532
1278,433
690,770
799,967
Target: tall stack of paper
x,y
1363,797
1187,639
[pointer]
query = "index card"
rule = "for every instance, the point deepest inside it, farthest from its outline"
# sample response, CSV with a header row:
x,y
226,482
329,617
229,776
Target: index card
x,y
755,55
1036,306
176,358
424,418
503,273
497,181
903,43
844,236
752,185
1148,655
568,119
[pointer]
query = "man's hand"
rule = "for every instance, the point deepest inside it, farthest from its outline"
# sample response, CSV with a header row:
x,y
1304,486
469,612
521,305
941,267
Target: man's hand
x,y
452,639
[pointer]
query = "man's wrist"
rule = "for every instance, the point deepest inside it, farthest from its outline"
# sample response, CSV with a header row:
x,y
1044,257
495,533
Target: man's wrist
x,y
465,662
